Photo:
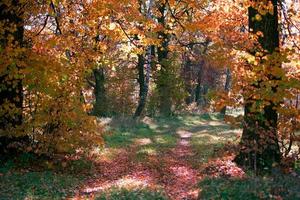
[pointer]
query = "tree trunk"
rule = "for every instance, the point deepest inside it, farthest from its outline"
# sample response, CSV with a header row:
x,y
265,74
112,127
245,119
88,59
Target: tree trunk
x,y
100,106
259,142
198,87
143,87
144,81
11,90
226,88
187,76
165,102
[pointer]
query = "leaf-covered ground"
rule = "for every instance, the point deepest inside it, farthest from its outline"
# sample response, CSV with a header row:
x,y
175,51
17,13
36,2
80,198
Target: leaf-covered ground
x,y
183,157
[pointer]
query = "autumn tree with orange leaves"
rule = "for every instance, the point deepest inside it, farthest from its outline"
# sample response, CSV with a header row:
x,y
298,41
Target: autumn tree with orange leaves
x,y
64,61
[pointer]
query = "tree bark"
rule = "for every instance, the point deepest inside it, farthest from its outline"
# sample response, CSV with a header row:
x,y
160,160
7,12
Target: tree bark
x,y
144,81
11,90
165,102
143,86
226,88
188,80
100,106
259,142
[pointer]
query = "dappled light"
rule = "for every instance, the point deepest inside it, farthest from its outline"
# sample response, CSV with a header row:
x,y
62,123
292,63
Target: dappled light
x,y
142,141
130,182
148,151
149,99
224,168
184,134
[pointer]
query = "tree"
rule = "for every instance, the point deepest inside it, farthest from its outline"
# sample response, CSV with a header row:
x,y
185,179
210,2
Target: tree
x,y
226,88
259,142
100,105
144,79
11,91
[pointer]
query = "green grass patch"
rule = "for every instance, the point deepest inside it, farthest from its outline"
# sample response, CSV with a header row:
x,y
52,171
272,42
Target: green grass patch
x,y
137,194
37,185
28,176
149,139
279,187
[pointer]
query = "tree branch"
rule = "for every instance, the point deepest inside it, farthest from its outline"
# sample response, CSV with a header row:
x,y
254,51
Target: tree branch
x,y
44,25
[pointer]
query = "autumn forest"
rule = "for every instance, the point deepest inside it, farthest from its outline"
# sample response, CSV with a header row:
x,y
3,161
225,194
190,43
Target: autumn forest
x,y
149,99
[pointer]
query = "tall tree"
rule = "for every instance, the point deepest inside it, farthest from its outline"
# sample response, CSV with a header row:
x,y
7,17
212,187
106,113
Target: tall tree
x,y
259,142
100,94
165,103
11,96
143,78
11,91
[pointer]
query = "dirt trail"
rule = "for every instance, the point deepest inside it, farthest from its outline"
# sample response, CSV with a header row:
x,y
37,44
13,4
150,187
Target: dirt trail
x,y
182,180
170,172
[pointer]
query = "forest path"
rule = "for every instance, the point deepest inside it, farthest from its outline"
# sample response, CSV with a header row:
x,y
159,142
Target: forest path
x,y
169,172
182,177
164,155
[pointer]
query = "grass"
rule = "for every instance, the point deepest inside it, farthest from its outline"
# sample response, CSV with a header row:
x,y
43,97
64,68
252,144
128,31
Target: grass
x,y
28,177
37,185
150,137
276,187
124,194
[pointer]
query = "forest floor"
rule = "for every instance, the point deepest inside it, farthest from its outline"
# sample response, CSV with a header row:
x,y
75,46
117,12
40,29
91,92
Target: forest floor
x,y
182,157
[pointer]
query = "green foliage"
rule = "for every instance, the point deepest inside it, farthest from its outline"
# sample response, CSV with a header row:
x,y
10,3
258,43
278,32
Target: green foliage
x,y
278,187
170,89
130,132
137,194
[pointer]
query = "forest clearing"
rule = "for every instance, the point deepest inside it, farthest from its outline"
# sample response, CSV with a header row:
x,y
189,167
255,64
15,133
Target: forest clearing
x,y
149,99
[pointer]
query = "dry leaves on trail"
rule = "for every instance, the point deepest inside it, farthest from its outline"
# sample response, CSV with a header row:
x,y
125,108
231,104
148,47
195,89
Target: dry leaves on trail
x,y
169,172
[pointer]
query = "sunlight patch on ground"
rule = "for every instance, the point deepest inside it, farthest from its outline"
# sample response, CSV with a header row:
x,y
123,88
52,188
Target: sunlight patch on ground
x,y
142,141
231,131
205,137
184,134
161,140
215,123
148,151
150,122
137,180
105,120
107,154
126,182
126,134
